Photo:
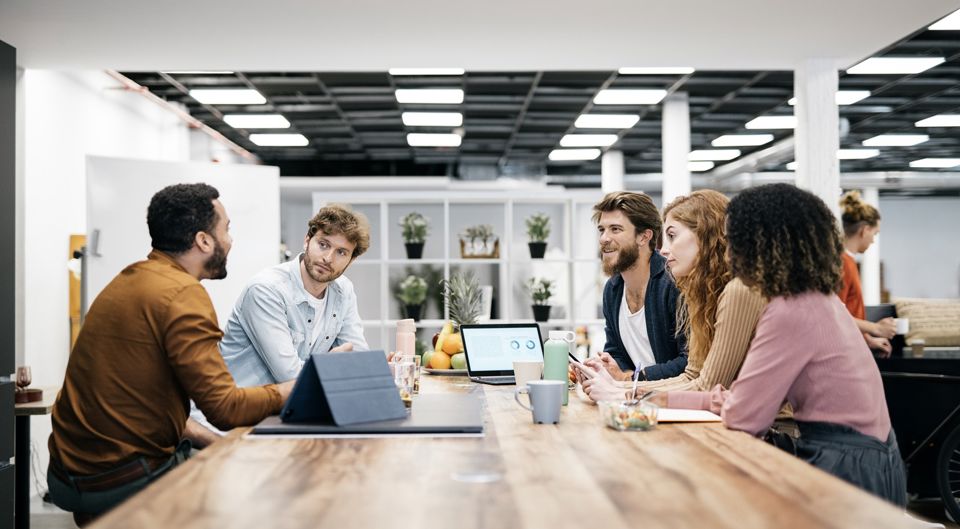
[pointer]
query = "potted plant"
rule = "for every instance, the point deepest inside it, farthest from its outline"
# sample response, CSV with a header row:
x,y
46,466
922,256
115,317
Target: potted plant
x,y
413,292
540,295
479,242
538,229
415,228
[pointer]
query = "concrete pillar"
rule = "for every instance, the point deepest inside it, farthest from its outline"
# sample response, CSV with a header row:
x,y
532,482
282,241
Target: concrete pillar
x,y
611,171
870,265
675,137
817,133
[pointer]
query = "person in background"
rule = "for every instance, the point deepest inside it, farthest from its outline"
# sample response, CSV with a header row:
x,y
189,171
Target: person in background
x,y
640,298
148,345
295,309
861,224
807,349
718,313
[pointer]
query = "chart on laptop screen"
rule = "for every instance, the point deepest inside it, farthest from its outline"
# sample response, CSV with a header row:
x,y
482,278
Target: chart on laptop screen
x,y
496,348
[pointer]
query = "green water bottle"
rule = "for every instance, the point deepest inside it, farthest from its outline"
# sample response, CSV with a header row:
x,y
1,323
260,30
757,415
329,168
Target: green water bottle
x,y
556,360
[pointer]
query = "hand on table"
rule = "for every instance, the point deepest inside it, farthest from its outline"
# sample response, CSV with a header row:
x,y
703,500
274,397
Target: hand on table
x,y
881,345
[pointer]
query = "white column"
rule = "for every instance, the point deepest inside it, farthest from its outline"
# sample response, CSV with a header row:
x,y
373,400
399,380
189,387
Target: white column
x,y
611,171
675,137
870,265
817,133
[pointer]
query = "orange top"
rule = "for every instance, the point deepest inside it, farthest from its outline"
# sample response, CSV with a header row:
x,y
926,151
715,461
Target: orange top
x,y
850,292
148,345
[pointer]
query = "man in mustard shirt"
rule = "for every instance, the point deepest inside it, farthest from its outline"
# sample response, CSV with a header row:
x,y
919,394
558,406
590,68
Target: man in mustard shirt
x,y
148,345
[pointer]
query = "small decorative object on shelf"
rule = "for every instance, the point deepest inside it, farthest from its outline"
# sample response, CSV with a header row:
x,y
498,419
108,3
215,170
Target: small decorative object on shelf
x,y
538,229
479,242
540,295
413,292
463,299
415,229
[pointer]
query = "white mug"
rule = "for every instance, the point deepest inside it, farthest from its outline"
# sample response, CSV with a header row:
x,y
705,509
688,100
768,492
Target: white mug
x,y
526,371
903,325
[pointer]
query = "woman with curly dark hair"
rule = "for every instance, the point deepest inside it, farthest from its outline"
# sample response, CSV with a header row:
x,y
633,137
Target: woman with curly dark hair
x,y
718,314
807,349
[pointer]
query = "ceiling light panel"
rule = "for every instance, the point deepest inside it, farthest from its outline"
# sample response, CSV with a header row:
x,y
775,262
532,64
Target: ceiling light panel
x,y
279,140
655,70
588,140
433,140
643,96
606,121
791,166
950,22
699,166
894,65
432,119
713,155
256,121
742,140
561,155
425,71
896,140
857,154
430,96
772,122
940,120
935,163
227,96
843,97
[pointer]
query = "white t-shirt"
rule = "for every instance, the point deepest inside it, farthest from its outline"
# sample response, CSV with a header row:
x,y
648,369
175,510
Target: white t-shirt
x,y
318,307
633,334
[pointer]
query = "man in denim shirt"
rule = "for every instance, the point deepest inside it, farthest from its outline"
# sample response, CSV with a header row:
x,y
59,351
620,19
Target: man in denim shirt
x,y
292,310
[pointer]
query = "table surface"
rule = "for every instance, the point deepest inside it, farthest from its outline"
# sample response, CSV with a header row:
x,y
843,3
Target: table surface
x,y
577,474
41,407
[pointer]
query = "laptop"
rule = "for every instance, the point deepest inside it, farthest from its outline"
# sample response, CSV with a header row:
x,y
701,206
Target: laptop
x,y
491,349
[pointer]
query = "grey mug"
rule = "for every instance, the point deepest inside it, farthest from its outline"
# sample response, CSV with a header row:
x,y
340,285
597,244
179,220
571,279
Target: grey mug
x,y
546,398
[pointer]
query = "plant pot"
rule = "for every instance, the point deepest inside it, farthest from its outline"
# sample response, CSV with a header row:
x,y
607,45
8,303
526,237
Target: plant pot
x,y
537,249
413,311
414,249
541,313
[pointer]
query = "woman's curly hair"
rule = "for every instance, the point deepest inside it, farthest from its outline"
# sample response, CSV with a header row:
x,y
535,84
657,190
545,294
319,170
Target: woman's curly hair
x,y
704,212
784,240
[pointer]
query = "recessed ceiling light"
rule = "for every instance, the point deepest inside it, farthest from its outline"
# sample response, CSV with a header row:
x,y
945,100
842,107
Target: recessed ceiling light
x,y
700,166
433,140
935,163
606,121
256,121
857,154
426,71
654,70
742,140
642,96
227,96
772,122
894,65
559,155
843,97
199,72
430,96
940,120
792,166
432,119
588,140
896,140
279,140
950,22
717,155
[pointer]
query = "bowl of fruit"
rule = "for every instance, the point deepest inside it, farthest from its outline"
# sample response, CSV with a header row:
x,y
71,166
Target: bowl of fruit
x,y
628,415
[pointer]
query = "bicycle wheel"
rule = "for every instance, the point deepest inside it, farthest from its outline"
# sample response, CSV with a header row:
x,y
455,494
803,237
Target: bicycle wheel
x,y
948,473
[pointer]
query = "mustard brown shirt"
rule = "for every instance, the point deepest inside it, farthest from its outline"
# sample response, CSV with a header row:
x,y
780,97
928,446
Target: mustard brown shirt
x,y
147,346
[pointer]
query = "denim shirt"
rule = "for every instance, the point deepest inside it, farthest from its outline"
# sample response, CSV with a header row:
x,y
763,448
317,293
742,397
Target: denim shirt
x,y
267,337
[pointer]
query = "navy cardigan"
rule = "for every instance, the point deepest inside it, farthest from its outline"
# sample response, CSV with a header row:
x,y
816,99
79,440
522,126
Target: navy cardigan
x,y
660,304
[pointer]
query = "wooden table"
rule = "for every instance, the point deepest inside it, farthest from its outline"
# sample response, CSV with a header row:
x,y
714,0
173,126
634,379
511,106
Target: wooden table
x,y
23,412
577,474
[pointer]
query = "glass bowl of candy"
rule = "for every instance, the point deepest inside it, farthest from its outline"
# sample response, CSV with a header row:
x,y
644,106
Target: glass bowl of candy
x,y
628,415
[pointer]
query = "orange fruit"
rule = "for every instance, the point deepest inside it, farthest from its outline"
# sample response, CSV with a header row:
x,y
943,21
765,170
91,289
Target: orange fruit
x,y
453,344
439,360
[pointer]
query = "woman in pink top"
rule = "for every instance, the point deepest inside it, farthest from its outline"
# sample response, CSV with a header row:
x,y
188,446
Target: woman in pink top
x,y
807,349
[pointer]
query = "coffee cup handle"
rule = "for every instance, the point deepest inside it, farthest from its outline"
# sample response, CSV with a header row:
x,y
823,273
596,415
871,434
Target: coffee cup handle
x,y
516,397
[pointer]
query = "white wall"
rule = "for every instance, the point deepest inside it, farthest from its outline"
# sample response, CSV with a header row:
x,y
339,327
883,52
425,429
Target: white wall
x,y
920,246
67,116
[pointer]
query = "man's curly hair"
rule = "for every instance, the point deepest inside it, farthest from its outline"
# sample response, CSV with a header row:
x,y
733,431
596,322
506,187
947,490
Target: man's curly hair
x,y
177,212
784,240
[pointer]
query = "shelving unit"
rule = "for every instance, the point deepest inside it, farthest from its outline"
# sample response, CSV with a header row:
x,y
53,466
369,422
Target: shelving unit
x,y
571,260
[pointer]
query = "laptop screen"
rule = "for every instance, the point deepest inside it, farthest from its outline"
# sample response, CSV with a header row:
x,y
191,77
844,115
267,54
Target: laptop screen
x,y
492,348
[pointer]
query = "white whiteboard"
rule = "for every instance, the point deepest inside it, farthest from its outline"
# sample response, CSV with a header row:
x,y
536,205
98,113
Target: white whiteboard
x,y
119,191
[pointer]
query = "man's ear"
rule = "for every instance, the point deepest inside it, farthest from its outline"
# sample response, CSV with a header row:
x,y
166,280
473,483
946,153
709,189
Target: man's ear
x,y
204,242
645,237
306,242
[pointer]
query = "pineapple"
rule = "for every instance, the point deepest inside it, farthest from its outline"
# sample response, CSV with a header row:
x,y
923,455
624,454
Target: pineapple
x,y
461,294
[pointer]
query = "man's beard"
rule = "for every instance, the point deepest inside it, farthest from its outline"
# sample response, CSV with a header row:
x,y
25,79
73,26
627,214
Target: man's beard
x,y
216,265
309,264
626,258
